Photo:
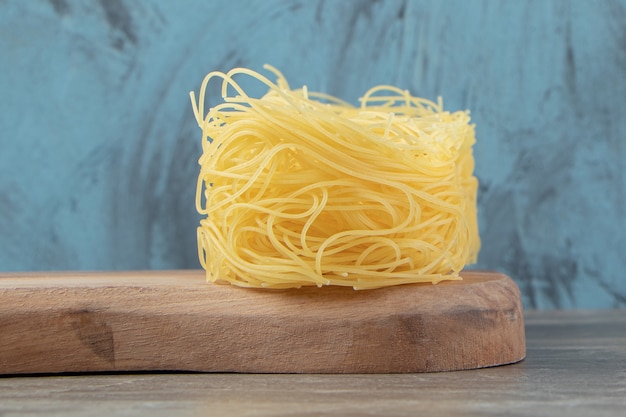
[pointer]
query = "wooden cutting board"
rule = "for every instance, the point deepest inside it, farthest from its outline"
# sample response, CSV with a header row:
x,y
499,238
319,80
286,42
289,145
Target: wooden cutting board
x,y
175,321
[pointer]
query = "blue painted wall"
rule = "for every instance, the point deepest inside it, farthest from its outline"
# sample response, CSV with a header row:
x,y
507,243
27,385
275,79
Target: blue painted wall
x,y
98,146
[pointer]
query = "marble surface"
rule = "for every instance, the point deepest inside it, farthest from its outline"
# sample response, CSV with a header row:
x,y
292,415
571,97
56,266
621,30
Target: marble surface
x,y
98,159
575,366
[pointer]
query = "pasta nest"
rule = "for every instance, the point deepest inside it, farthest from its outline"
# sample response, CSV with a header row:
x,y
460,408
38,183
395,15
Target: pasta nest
x,y
298,188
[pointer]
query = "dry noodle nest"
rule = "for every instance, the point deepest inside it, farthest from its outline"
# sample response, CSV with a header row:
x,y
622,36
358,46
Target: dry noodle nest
x,y
300,188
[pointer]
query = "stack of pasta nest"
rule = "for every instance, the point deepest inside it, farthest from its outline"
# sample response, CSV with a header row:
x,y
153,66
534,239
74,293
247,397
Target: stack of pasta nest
x,y
300,188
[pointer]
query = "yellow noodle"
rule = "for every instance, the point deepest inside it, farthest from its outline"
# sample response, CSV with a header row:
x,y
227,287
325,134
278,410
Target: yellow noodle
x,y
300,188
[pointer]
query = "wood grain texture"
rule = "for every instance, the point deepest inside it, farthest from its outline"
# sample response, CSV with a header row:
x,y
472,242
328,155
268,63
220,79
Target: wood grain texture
x,y
575,367
173,320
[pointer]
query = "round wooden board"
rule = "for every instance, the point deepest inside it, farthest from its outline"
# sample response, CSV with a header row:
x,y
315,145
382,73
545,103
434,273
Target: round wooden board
x,y
175,321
